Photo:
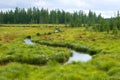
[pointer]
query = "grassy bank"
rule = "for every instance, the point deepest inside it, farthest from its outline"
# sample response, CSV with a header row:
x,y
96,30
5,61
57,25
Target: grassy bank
x,y
18,51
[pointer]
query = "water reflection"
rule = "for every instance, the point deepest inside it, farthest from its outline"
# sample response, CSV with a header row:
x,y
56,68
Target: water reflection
x,y
28,41
78,56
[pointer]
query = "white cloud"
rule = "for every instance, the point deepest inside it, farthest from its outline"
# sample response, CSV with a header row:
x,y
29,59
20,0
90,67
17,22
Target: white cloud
x,y
106,7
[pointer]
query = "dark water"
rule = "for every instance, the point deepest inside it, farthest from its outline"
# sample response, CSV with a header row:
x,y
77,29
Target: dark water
x,y
79,57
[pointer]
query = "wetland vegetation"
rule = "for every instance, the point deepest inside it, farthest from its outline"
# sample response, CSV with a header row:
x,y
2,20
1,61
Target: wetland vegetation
x,y
45,59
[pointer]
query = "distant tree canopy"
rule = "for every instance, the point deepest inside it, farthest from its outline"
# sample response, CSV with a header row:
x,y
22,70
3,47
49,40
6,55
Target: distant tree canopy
x,y
43,16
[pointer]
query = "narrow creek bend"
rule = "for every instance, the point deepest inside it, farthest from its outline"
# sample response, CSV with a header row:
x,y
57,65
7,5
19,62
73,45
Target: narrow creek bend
x,y
28,41
76,56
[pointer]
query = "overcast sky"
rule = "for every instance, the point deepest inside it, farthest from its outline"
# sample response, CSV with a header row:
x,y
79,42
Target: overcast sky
x,y
107,8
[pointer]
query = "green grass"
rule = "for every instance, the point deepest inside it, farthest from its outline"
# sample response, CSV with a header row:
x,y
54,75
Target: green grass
x,y
104,65
32,25
51,71
18,51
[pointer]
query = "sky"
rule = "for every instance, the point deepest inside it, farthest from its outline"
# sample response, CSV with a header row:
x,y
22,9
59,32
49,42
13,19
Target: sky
x,y
107,8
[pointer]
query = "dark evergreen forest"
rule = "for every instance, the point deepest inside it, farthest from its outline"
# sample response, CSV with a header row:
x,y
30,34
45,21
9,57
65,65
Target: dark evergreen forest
x,y
44,16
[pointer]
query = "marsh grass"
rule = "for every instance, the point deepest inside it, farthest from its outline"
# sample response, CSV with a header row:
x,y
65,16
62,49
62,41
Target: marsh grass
x,y
33,54
23,58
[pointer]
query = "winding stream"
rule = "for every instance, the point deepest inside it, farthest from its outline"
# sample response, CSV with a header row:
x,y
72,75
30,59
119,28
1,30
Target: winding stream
x,y
76,56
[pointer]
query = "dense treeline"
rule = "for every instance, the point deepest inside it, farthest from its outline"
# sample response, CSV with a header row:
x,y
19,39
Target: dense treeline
x,y
111,24
76,19
44,16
